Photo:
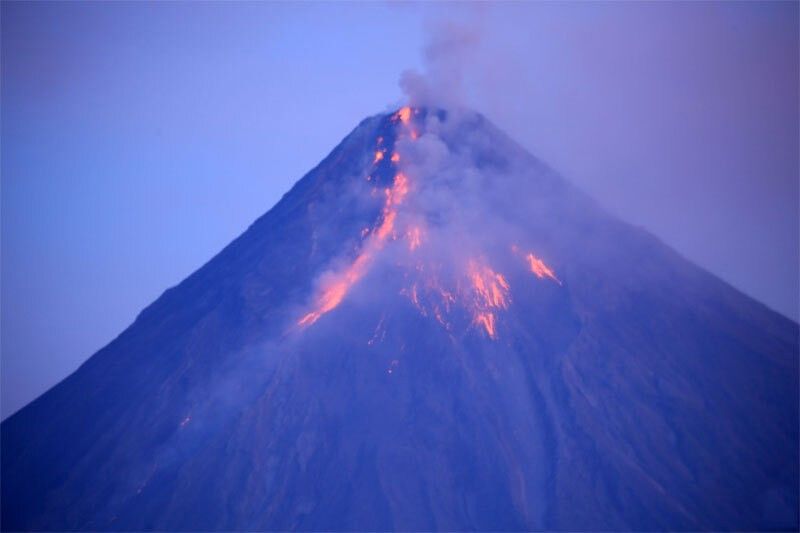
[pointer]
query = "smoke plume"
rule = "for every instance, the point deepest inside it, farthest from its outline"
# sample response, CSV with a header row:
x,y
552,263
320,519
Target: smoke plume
x,y
448,51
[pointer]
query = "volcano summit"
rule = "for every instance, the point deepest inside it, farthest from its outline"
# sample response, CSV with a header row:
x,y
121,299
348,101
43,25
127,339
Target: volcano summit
x,y
431,331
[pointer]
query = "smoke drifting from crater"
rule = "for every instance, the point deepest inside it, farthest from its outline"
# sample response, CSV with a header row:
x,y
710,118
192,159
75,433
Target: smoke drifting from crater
x,y
449,49
444,237
678,118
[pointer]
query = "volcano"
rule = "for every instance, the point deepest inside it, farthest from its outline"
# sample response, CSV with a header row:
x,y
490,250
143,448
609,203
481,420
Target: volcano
x,y
432,330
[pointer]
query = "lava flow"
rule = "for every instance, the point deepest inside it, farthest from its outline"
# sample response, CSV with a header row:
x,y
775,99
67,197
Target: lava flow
x,y
404,115
479,290
473,285
340,284
536,265
414,238
541,270
335,291
490,292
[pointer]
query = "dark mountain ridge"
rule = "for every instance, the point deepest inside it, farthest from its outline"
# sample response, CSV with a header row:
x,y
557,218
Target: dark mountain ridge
x,y
444,336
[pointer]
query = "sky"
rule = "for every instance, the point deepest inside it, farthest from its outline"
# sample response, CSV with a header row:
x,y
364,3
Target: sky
x,y
138,139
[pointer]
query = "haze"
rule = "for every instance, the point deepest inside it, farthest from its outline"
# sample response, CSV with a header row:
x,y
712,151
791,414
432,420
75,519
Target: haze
x,y
139,139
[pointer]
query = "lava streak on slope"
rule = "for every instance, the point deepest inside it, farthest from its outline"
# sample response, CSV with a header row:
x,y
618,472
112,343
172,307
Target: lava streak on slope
x,y
333,294
337,288
541,270
536,266
478,290
414,236
435,288
338,285
404,115
490,292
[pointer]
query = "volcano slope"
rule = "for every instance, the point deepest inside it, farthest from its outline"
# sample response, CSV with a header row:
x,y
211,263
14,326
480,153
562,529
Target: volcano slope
x,y
431,331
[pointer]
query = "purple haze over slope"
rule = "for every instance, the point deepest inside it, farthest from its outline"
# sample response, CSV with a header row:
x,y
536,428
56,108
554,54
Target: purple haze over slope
x,y
140,139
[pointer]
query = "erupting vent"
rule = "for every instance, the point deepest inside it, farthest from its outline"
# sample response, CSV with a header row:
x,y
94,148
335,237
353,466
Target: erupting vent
x,y
432,331
478,289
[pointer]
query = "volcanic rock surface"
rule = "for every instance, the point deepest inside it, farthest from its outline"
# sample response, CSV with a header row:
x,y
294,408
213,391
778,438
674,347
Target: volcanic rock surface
x,y
431,331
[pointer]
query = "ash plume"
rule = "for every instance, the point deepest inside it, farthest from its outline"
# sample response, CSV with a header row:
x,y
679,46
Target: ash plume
x,y
445,56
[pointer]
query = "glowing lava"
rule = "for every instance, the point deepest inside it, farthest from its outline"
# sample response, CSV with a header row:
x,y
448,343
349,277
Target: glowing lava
x,y
473,286
487,321
541,270
335,291
414,238
404,114
338,285
490,286
479,290
536,265
490,292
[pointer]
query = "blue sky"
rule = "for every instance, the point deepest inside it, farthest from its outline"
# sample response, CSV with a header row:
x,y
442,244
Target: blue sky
x,y
140,138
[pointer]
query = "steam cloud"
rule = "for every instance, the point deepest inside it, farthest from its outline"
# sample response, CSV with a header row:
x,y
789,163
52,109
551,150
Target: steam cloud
x,y
450,46
451,238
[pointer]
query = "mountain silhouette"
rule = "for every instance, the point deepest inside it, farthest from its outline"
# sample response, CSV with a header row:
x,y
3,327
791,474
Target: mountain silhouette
x,y
431,331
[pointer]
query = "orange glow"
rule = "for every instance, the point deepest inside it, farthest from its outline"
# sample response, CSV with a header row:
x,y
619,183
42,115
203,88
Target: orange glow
x,y
387,225
431,300
399,190
475,295
536,265
414,297
330,298
337,286
440,319
335,291
487,321
541,270
414,238
404,115
309,318
447,297
483,293
333,295
491,287
490,291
